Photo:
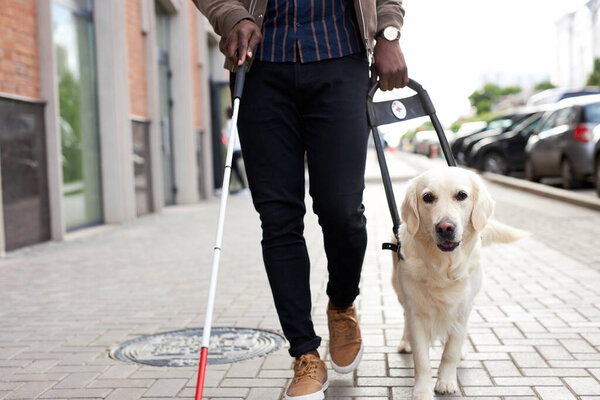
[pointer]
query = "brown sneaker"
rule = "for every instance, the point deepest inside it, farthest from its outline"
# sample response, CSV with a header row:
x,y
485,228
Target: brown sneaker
x,y
345,343
310,379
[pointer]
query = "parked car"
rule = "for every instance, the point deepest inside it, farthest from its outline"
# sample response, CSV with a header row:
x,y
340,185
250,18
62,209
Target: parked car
x,y
471,141
494,127
597,159
563,144
505,153
423,140
428,143
471,127
555,95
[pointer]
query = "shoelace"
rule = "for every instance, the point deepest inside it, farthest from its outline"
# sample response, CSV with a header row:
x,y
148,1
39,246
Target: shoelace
x,y
345,325
305,367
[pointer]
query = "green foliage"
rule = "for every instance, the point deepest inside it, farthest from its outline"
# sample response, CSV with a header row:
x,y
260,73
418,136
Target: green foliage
x,y
484,99
410,134
594,78
426,126
544,85
456,125
509,90
70,119
483,106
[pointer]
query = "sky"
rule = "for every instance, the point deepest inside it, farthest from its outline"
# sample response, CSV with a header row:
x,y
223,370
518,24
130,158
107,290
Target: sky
x,y
452,47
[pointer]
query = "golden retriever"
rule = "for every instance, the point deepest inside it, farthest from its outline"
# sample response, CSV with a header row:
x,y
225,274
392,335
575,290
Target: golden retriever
x,y
446,214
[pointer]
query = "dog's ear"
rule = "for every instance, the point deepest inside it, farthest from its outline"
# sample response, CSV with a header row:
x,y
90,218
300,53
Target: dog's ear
x,y
483,204
409,211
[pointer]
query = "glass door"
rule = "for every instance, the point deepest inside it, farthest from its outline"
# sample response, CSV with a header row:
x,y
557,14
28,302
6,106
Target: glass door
x,y
73,34
166,103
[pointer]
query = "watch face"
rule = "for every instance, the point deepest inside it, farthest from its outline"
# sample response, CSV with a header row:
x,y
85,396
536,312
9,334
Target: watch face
x,y
390,33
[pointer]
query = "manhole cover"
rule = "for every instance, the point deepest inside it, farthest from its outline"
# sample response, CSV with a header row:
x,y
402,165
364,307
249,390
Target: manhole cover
x,y
182,348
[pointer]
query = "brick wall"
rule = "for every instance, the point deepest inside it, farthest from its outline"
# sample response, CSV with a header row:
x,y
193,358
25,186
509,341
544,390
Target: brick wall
x,y
19,61
136,51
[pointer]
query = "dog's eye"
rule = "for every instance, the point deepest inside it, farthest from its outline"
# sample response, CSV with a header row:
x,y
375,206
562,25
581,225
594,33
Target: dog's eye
x,y
460,196
428,198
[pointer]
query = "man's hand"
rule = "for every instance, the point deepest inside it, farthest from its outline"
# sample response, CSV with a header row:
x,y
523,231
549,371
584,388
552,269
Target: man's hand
x,y
242,41
389,65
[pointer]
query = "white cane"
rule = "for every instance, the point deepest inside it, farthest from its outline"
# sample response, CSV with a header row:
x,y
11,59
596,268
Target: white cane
x,y
237,95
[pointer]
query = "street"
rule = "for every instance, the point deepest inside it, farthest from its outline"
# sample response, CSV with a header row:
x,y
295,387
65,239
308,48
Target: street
x,y
534,332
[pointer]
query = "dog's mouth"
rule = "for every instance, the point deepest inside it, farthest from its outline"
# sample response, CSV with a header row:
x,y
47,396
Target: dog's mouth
x,y
448,245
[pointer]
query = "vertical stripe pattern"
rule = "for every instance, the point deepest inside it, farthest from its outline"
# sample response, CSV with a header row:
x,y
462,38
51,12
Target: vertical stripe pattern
x,y
309,30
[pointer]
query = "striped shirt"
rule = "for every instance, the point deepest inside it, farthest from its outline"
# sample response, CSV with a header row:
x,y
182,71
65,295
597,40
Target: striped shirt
x,y
309,30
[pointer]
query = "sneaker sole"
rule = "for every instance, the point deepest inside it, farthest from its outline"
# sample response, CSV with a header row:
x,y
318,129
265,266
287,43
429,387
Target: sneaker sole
x,y
349,368
320,395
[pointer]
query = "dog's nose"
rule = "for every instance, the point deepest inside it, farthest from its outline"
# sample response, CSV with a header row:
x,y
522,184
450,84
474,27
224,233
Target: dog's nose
x,y
445,229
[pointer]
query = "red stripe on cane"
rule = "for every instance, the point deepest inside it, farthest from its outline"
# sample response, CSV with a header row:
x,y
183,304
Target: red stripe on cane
x,y
201,373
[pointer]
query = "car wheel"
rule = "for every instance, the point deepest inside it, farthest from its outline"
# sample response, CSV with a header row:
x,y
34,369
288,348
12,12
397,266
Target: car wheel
x,y
569,181
496,163
530,171
597,175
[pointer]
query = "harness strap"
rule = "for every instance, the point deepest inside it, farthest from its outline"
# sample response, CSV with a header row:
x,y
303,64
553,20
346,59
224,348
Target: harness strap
x,y
396,247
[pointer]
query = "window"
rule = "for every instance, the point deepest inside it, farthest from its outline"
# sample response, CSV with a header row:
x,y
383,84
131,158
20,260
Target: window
x,y
499,123
73,34
565,116
548,122
592,113
530,128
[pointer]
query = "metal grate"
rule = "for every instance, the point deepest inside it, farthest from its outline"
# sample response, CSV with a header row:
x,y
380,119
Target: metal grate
x,y
182,348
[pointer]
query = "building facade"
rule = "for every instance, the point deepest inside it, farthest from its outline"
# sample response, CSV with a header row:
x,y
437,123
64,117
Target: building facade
x,y
109,110
578,44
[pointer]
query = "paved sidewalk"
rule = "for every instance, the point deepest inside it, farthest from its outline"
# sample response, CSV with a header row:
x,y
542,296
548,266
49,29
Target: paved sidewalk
x,y
534,333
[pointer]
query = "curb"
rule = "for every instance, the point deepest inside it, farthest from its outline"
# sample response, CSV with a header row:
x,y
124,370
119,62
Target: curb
x,y
543,190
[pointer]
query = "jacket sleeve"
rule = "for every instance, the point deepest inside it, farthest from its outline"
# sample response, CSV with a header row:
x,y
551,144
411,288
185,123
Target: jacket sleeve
x,y
389,13
223,15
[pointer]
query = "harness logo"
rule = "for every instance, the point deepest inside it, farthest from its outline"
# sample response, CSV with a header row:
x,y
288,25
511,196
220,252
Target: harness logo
x,y
398,109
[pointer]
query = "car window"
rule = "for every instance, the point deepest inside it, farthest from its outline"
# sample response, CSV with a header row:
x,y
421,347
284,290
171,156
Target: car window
x,y
564,116
592,113
527,130
517,119
549,122
499,123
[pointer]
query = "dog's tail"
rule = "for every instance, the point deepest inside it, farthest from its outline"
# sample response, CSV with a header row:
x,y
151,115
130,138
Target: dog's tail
x,y
497,232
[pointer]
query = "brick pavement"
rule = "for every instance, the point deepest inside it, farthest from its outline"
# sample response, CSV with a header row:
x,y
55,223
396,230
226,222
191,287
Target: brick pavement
x,y
534,333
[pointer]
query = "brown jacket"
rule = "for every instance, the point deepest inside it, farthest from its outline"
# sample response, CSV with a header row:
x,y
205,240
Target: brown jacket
x,y
372,16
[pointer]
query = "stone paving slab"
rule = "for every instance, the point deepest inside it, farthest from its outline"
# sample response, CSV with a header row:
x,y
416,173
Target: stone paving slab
x,y
534,332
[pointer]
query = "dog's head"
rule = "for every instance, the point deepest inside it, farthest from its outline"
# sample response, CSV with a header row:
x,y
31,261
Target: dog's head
x,y
446,204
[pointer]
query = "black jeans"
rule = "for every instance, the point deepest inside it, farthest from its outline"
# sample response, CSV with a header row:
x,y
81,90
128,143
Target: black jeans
x,y
289,110
237,170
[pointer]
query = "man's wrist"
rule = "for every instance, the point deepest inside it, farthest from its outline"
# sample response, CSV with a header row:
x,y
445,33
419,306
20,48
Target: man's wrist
x,y
389,33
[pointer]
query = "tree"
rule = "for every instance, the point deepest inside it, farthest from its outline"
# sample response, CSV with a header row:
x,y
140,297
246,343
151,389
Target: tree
x,y
594,79
544,85
510,90
484,99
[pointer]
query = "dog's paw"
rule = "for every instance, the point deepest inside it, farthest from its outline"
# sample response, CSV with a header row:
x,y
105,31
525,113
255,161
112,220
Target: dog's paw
x,y
444,386
404,347
422,394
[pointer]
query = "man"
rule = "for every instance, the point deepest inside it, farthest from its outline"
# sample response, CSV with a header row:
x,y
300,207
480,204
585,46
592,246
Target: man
x,y
305,95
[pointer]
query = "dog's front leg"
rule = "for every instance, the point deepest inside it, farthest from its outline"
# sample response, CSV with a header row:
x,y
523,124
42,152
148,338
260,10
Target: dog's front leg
x,y
404,346
446,382
420,340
